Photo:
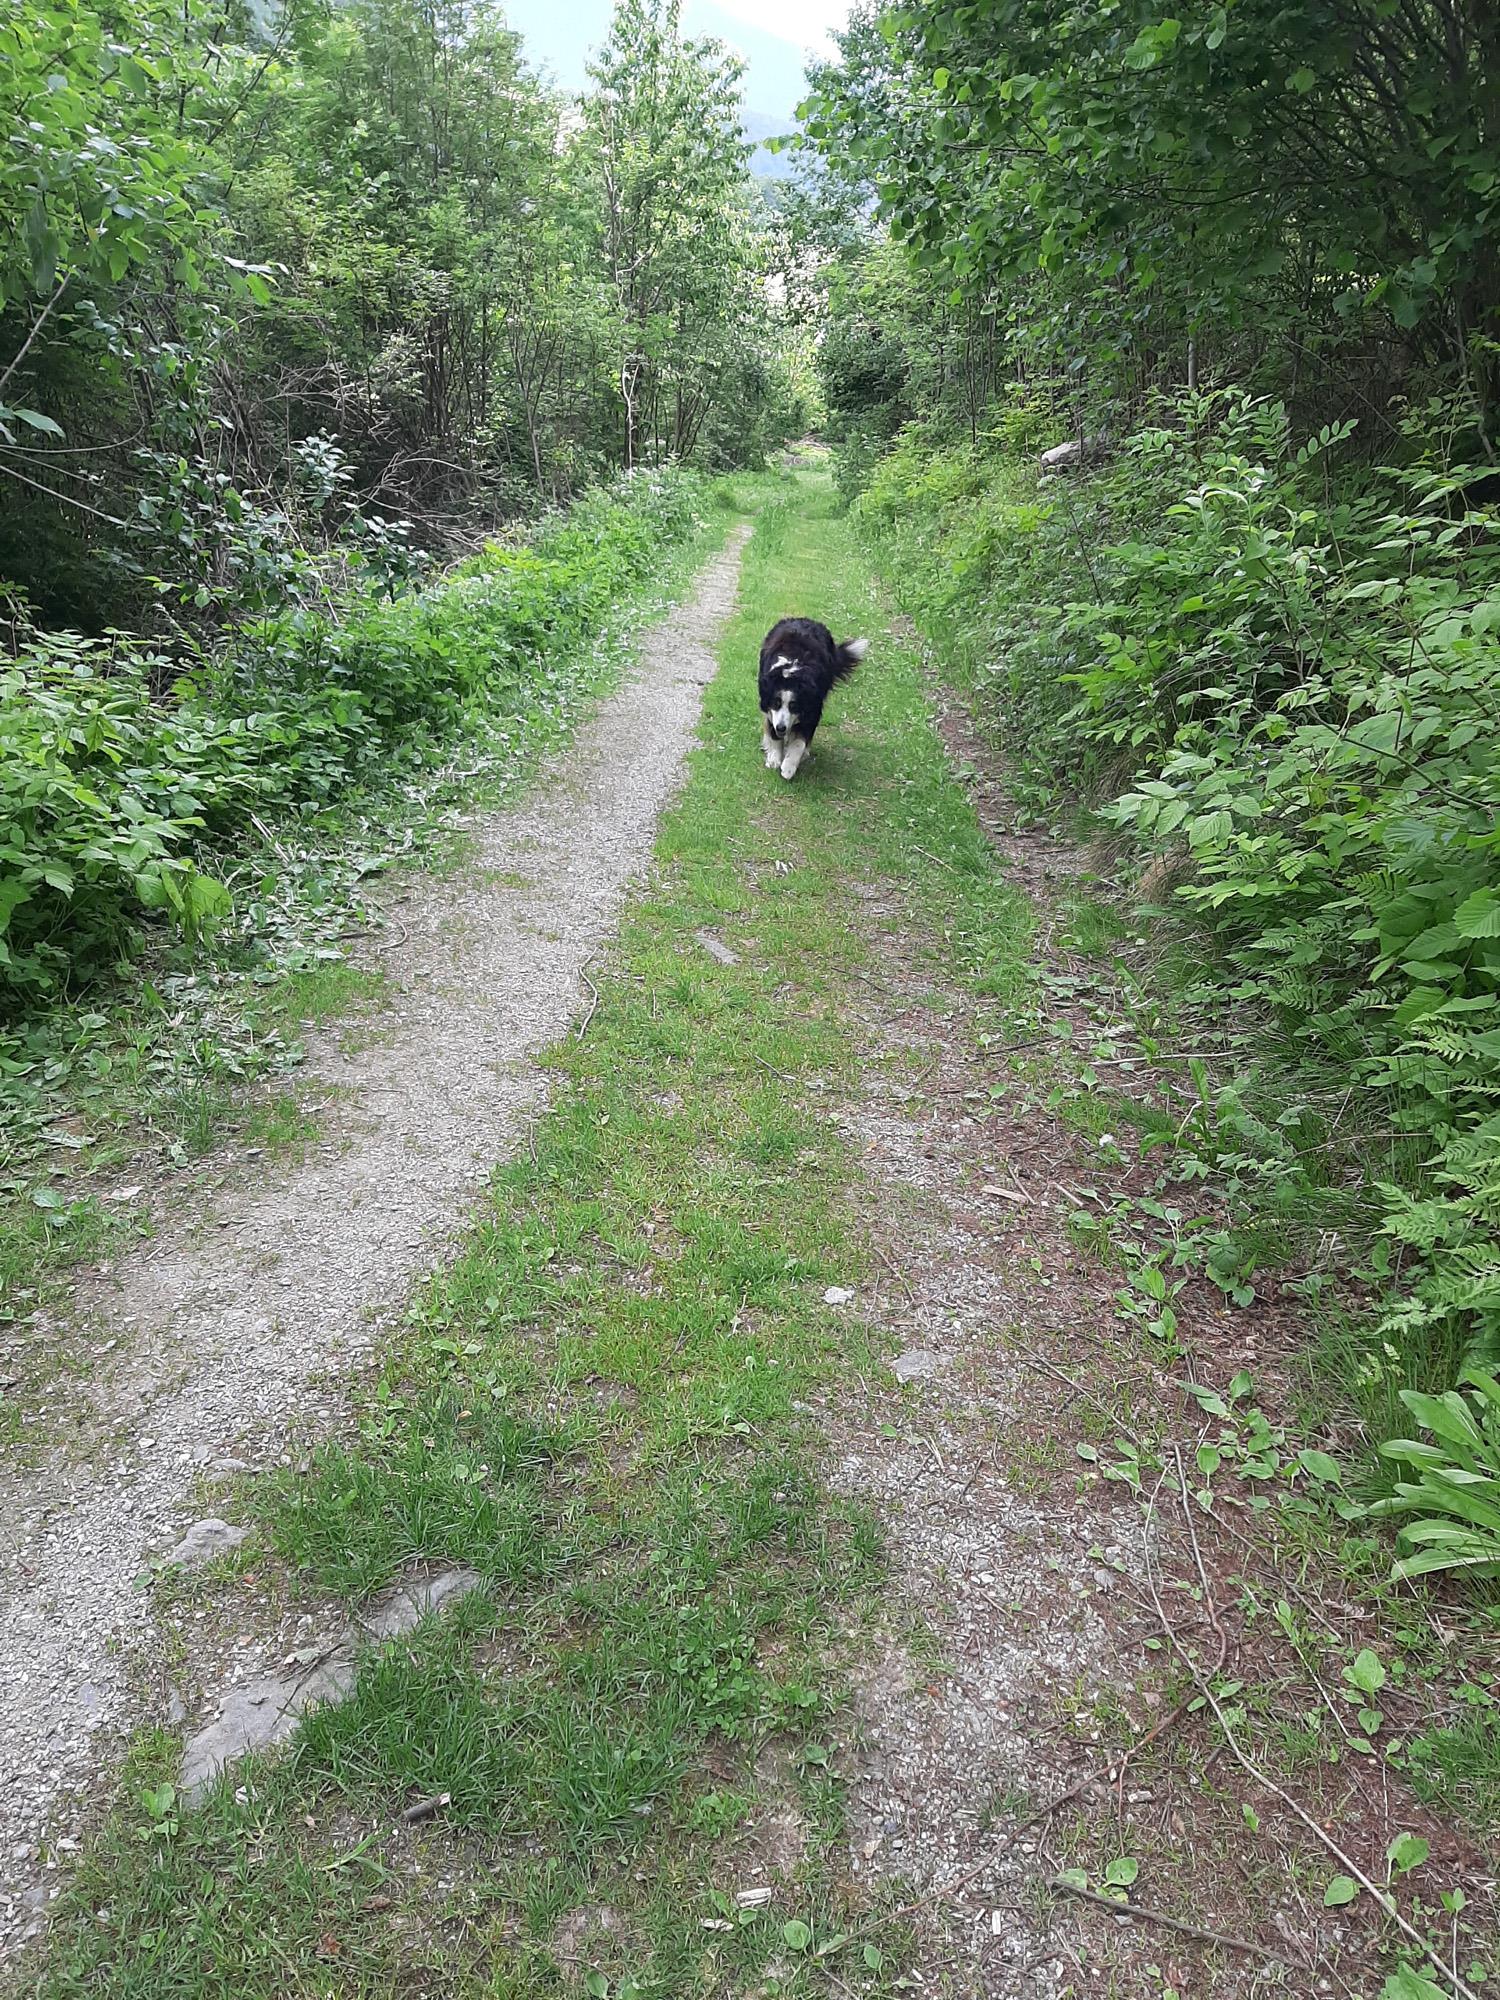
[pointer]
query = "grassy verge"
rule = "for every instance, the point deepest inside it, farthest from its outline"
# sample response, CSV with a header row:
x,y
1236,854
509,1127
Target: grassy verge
x,y
601,1407
1221,1235
158,1070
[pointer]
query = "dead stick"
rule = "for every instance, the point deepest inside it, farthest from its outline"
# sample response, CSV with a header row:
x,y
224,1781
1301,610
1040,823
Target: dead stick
x,y
1182,1707
583,1026
1383,1898
898,1274
1144,1914
779,1074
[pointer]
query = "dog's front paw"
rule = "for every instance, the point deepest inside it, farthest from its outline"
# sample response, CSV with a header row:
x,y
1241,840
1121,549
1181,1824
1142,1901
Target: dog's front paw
x,y
773,758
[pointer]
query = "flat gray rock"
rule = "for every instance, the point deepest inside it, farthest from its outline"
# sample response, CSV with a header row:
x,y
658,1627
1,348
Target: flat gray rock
x,y
204,1540
715,949
404,1606
916,1364
264,1711
258,1714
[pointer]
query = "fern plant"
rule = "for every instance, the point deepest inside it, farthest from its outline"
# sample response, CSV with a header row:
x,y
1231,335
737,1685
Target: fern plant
x,y
1456,1489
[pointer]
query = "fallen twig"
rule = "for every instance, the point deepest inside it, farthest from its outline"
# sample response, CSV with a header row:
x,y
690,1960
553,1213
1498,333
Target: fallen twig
x,y
389,943
1383,1899
1146,1915
779,1074
583,973
1180,1710
898,1274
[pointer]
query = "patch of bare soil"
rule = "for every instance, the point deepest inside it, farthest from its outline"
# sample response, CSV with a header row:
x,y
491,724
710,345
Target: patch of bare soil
x,y
227,1323
1035,1708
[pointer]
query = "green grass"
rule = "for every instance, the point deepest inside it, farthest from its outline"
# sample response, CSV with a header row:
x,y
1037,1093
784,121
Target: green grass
x,y
1458,1767
313,994
207,1099
601,1407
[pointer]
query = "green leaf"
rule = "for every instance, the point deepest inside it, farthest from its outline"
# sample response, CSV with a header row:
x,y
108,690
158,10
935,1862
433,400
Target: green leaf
x,y
1478,916
1407,1851
1121,1873
12,895
1318,1465
796,1934
1366,1673
1340,1890
34,420
1410,1985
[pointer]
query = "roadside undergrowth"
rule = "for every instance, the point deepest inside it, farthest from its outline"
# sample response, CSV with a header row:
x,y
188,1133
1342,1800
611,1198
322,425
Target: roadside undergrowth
x,y
123,1095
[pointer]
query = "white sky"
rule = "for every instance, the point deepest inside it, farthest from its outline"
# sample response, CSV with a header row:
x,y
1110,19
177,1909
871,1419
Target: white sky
x,y
804,23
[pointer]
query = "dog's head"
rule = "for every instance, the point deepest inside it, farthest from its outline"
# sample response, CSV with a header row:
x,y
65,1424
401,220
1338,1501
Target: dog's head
x,y
778,698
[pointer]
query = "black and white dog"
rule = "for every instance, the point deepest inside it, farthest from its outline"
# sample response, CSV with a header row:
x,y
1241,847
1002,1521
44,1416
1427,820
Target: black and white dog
x,y
800,663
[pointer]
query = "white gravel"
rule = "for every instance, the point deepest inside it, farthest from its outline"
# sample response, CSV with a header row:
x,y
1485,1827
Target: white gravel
x,y
221,1330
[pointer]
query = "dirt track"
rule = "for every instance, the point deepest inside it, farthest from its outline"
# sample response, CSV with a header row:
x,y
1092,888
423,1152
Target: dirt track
x,y
224,1321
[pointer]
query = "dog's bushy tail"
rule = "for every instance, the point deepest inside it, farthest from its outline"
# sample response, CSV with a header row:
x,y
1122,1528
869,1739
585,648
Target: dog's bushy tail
x,y
847,656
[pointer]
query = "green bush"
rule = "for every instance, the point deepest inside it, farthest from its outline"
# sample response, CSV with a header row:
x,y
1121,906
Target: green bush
x,y
1288,680
112,792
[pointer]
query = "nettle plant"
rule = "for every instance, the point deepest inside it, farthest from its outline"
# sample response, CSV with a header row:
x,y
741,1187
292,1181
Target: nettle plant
x,y
1312,690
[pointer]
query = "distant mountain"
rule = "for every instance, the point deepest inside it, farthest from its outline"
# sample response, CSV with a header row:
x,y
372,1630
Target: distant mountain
x,y
762,125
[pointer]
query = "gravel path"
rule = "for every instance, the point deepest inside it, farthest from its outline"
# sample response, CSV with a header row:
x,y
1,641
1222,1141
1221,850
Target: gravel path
x,y
222,1327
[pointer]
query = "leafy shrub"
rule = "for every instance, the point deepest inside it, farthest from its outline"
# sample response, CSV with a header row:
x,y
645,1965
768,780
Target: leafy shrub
x,y
1287,680
855,456
979,551
111,791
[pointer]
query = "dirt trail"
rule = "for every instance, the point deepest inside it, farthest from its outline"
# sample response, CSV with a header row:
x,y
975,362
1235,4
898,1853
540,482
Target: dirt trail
x,y
224,1322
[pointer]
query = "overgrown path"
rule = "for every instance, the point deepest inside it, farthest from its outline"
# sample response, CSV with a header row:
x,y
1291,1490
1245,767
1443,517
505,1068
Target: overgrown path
x,y
215,1330
864,1584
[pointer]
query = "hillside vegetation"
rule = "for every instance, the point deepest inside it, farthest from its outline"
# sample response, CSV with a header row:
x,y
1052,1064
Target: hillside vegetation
x,y
1245,258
